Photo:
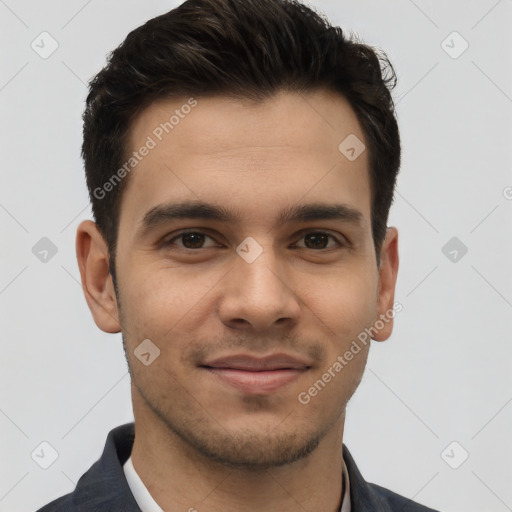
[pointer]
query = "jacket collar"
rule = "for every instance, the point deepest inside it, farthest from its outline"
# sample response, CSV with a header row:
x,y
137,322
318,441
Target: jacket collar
x,y
362,495
104,486
105,483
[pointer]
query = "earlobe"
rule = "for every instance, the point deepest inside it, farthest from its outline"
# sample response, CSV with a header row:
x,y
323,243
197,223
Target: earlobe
x,y
387,281
93,262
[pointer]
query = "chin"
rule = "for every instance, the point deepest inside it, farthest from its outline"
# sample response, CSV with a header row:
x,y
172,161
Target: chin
x,y
253,450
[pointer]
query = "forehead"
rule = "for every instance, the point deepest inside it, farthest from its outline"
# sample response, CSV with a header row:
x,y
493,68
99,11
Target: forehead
x,y
253,156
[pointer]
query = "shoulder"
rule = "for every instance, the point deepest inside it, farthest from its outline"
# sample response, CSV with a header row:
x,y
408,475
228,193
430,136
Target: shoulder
x,y
104,486
396,502
368,496
62,504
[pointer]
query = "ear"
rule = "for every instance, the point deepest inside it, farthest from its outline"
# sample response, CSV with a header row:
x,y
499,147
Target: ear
x,y
387,280
93,262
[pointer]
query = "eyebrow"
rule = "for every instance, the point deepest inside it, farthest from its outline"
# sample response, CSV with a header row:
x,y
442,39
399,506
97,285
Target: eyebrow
x,y
206,211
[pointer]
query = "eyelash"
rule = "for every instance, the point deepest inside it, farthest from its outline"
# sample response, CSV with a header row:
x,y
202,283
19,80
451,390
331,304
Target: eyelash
x,y
170,242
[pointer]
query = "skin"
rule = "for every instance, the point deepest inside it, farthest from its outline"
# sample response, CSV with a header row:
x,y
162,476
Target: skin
x,y
199,441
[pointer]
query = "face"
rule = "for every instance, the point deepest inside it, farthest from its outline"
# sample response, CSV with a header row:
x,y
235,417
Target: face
x,y
245,256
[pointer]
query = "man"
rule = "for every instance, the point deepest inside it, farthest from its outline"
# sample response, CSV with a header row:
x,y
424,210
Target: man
x,y
241,158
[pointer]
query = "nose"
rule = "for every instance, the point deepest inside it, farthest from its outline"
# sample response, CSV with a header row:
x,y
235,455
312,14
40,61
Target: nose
x,y
259,295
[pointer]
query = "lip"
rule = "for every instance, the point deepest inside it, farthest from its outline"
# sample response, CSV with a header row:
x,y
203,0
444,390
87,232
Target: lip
x,y
257,375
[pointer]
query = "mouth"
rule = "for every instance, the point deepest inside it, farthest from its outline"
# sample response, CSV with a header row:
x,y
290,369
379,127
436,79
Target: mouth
x,y
257,376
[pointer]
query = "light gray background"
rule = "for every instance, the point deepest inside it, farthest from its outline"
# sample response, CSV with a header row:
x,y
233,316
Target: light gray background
x,y
444,376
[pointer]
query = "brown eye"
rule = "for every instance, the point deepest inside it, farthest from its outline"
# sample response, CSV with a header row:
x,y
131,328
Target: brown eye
x,y
192,240
318,240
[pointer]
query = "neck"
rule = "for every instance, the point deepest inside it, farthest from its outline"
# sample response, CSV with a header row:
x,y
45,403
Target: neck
x,y
179,478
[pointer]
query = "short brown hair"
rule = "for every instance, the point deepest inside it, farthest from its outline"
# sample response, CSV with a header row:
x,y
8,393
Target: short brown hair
x,y
241,48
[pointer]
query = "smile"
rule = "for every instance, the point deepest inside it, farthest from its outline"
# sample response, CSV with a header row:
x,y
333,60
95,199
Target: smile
x,y
256,382
257,376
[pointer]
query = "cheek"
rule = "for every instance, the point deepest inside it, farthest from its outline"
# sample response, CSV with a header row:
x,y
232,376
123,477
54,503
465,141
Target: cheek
x,y
340,315
344,303
159,301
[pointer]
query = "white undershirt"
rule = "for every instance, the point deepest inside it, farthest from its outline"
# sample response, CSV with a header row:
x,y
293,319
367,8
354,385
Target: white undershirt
x,y
148,504
139,490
